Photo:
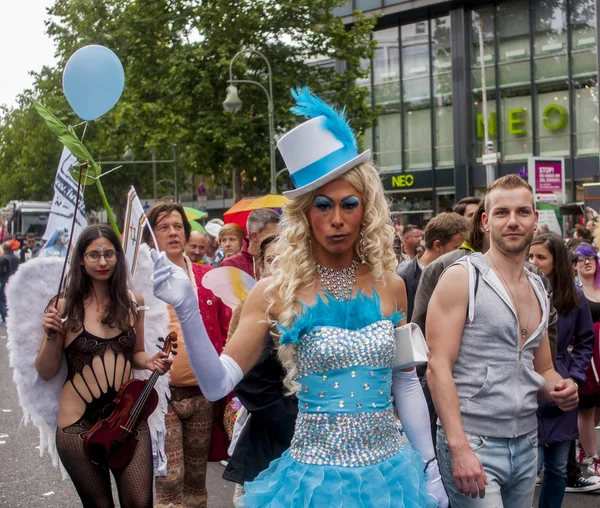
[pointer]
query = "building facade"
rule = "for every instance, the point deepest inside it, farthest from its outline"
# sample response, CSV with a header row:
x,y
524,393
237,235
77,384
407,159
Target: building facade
x,y
540,61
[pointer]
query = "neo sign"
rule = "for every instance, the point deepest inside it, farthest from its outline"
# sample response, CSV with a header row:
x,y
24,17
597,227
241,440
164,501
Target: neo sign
x,y
554,117
403,181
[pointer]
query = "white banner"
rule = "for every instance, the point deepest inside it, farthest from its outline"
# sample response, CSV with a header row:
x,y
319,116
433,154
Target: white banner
x,y
135,222
63,204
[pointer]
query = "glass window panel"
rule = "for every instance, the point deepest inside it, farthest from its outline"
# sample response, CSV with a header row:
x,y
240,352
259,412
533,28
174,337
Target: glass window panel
x,y
415,95
386,68
343,10
586,120
553,126
367,140
483,20
585,76
479,133
393,2
442,88
515,79
387,141
583,38
367,5
386,79
551,77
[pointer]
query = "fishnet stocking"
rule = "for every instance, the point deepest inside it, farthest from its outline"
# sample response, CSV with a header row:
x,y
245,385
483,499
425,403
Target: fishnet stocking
x,y
134,482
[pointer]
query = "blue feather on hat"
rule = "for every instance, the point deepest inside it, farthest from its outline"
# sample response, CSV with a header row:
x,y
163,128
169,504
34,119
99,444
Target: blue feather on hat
x,y
310,106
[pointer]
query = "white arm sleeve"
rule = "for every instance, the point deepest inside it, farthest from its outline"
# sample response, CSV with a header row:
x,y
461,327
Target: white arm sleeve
x,y
412,410
217,375
414,416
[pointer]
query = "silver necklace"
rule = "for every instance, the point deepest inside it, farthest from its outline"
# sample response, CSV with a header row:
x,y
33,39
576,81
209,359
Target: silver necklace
x,y
524,330
338,282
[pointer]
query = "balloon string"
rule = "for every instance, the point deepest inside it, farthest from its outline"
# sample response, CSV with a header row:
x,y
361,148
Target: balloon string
x,y
84,131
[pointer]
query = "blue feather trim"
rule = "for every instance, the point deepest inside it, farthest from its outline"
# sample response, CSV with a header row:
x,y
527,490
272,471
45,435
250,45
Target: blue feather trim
x,y
357,313
310,106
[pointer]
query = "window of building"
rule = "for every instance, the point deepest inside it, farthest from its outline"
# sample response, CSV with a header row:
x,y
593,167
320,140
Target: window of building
x,y
551,71
416,96
386,94
585,76
515,79
367,5
343,10
441,59
482,29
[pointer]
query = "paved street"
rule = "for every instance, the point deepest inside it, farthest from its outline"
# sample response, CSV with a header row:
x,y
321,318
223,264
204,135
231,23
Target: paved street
x,y
26,481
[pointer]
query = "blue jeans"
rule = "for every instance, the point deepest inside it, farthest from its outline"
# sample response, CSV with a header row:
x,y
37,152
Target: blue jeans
x,y
510,465
553,458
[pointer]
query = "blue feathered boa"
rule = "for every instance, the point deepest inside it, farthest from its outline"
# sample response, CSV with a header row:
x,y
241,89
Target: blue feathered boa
x,y
354,314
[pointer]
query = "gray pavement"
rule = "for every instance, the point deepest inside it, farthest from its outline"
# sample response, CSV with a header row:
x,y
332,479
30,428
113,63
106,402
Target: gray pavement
x,y
28,481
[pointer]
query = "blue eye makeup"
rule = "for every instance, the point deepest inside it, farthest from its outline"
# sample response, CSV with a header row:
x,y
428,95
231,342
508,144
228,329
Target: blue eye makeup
x,y
323,203
350,202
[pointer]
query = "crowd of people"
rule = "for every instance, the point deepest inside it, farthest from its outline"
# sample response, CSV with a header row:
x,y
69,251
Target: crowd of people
x,y
323,352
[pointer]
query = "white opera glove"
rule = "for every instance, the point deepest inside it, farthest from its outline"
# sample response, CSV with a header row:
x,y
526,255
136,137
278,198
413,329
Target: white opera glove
x,y
217,376
414,416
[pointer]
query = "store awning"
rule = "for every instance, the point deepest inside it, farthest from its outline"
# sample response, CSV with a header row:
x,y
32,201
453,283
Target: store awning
x,y
574,208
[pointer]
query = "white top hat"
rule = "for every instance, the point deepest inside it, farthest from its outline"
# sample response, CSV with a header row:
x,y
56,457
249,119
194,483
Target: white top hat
x,y
319,150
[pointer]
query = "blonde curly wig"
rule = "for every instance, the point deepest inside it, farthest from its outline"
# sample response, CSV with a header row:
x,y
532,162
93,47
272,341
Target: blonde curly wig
x,y
295,265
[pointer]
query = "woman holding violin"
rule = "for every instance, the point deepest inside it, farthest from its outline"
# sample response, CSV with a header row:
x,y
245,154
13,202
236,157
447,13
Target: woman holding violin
x,y
98,325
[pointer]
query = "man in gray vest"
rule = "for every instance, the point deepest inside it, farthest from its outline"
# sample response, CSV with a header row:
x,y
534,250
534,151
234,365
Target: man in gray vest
x,y
490,360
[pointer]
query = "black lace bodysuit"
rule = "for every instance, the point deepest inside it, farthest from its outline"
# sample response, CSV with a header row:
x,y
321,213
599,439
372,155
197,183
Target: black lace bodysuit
x,y
97,368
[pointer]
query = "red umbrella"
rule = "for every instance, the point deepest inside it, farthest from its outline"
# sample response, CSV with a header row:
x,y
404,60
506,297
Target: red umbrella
x,y
238,213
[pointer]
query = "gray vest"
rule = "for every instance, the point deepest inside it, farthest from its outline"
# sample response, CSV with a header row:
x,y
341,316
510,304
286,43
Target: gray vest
x,y
495,379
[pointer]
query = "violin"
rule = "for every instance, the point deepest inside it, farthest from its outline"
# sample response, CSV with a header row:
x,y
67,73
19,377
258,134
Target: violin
x,y
111,442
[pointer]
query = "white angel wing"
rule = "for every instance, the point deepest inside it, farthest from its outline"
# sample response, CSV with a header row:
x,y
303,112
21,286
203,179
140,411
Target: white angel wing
x,y
156,324
230,284
28,292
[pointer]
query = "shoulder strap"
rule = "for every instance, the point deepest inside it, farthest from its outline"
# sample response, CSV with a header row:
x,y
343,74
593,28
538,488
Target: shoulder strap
x,y
473,287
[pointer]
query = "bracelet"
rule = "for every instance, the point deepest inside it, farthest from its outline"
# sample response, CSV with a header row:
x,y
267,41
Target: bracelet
x,y
428,463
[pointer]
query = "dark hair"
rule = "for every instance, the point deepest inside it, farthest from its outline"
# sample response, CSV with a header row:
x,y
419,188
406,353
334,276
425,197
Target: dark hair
x,y
475,234
443,227
461,206
586,250
397,246
262,249
564,294
122,311
167,206
583,233
264,243
410,227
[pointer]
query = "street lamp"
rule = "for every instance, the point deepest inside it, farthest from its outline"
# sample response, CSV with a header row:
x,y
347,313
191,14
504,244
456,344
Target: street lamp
x,y
233,104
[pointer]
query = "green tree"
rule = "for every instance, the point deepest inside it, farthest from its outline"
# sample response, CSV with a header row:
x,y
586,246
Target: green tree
x,y
176,57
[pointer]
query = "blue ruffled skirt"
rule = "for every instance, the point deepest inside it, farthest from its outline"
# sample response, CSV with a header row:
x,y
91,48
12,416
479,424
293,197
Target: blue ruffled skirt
x,y
397,482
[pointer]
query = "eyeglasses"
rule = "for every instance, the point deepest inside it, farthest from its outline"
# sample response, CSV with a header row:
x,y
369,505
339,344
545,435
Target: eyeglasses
x,y
94,256
586,259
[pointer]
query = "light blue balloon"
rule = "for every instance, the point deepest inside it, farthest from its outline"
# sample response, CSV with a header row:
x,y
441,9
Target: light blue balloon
x,y
93,81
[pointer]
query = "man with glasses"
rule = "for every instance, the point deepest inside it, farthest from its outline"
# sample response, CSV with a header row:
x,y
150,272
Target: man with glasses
x,y
30,249
194,425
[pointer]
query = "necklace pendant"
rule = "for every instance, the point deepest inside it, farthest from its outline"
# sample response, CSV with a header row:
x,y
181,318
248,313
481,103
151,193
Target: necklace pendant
x,y
524,332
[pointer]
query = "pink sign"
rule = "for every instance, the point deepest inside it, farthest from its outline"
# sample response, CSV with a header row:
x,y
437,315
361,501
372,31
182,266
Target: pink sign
x,y
548,176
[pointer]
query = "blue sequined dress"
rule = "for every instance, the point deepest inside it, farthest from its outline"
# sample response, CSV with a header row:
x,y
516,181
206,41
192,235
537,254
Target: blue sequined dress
x,y
346,450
